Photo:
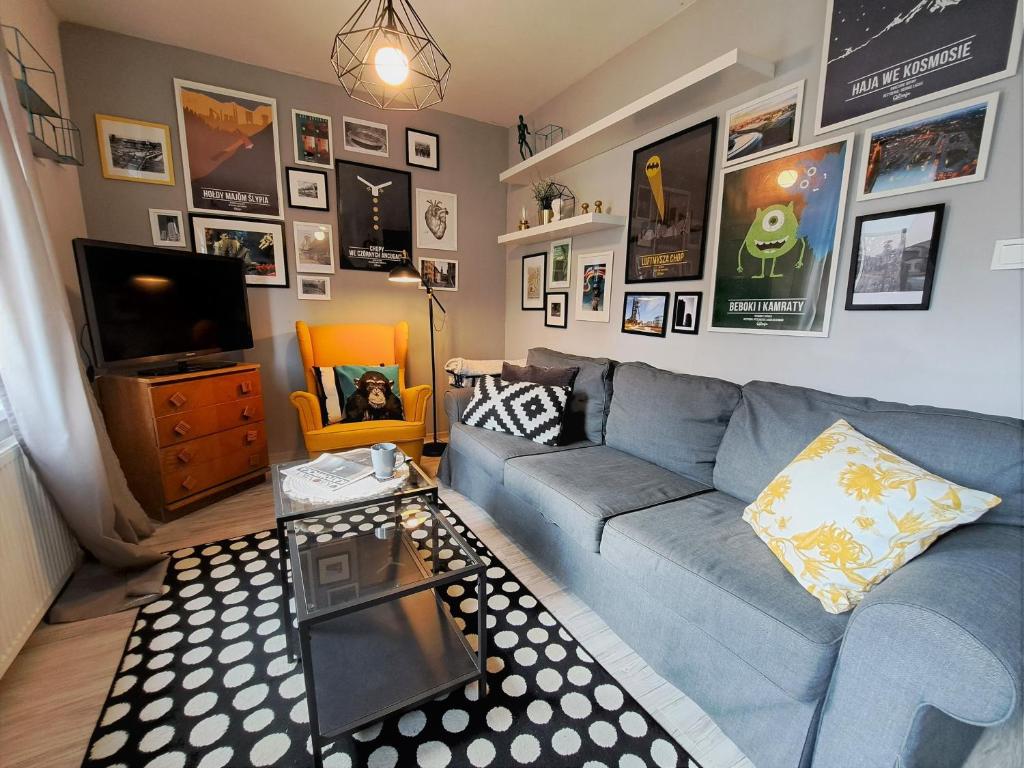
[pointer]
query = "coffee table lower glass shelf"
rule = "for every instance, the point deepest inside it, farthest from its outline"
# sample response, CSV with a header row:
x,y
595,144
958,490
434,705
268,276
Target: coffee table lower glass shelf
x,y
375,634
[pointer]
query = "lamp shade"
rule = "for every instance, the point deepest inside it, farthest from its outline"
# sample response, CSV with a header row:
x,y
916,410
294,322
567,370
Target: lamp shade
x,y
405,273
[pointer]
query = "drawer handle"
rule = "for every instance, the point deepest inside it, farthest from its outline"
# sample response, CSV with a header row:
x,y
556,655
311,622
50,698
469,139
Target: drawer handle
x,y
251,435
178,399
184,455
188,483
245,387
182,428
248,411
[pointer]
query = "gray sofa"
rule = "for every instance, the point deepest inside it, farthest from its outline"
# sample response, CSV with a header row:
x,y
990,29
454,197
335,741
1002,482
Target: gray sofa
x,y
640,514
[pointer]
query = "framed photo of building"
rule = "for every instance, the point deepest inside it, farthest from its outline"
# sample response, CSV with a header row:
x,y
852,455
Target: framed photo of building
x,y
941,148
314,247
669,198
311,134
593,286
533,281
777,245
364,136
559,264
374,216
556,310
168,228
314,287
437,220
765,125
422,149
645,314
259,244
686,312
440,274
883,57
894,257
135,150
229,150
307,189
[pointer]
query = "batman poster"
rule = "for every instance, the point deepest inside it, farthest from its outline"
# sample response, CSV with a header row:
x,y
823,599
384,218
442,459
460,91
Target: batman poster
x,y
668,206
374,216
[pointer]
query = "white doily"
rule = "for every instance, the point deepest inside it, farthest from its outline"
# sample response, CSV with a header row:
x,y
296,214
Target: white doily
x,y
365,488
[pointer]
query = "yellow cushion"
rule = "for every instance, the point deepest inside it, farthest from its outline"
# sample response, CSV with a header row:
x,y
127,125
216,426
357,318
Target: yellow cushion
x,y
847,512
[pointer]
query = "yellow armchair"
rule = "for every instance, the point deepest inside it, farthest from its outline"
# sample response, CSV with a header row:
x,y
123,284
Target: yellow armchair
x,y
329,345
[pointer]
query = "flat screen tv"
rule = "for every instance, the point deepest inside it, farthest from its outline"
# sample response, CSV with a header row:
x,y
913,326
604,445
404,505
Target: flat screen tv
x,y
147,305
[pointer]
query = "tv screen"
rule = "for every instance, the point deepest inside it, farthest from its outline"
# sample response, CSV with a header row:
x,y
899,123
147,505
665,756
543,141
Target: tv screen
x,y
145,304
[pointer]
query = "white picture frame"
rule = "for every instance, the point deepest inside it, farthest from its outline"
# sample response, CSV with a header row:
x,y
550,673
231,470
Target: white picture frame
x,y
365,137
314,247
586,265
437,213
442,274
313,287
299,146
991,102
161,223
248,229
765,103
559,252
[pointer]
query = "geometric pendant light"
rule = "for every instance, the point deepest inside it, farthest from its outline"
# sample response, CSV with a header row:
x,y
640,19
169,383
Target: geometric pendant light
x,y
384,55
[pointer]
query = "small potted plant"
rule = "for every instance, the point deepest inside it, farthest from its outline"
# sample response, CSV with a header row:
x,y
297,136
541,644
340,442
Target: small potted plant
x,y
544,192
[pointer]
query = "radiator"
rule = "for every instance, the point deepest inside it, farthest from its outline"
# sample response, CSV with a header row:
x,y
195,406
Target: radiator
x,y
37,553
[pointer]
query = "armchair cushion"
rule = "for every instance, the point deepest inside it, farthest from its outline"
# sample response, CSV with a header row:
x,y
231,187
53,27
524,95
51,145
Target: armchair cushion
x,y
335,386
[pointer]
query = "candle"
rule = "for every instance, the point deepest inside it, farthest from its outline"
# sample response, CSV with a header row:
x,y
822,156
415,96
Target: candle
x,y
524,214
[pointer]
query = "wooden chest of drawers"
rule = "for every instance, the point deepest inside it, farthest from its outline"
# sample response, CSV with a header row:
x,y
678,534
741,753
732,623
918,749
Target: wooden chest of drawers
x,y
186,439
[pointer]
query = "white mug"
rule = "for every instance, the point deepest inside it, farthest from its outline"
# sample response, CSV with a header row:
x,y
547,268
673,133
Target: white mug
x,y
385,458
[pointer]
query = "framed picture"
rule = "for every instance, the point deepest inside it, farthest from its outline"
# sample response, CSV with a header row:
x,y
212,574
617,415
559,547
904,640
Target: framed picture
x,y
437,220
307,189
364,136
556,310
668,206
314,247
645,314
941,148
686,312
259,244
559,263
765,125
894,255
422,149
311,134
533,281
314,287
593,287
229,150
168,228
374,216
780,225
440,274
882,57
134,150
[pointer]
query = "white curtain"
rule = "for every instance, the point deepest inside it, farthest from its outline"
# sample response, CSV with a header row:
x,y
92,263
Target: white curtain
x,y
54,412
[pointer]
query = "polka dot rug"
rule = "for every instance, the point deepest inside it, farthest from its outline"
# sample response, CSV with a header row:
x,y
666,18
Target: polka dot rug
x,y
205,682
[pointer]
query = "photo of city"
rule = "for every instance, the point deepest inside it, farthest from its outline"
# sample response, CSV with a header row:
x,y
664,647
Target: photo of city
x,y
769,124
644,313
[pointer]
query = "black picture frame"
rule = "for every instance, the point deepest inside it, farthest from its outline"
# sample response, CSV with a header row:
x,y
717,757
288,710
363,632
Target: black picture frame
x,y
705,134
288,171
437,157
663,295
676,326
361,247
565,310
907,263
543,256
251,280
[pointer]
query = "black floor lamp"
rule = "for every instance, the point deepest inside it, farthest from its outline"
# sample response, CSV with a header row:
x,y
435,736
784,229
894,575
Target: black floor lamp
x,y
407,273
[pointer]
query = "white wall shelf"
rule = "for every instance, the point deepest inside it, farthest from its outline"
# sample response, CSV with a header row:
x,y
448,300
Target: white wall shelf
x,y
730,73
570,227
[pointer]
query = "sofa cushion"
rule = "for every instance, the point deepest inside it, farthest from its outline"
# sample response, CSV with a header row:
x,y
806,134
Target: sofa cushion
x,y
492,449
580,490
775,422
553,377
673,420
591,394
701,560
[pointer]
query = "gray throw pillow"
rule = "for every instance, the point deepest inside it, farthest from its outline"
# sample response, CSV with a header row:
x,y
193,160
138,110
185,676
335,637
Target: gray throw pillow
x,y
538,374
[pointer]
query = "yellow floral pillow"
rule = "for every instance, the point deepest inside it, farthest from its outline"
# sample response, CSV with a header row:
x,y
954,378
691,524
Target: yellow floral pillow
x,y
847,512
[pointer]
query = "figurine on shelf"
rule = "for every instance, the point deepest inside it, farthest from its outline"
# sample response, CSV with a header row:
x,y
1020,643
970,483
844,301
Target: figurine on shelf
x,y
524,144
556,209
585,207
597,206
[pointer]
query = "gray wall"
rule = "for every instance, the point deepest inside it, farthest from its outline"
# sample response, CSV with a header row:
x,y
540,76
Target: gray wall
x,y
964,352
119,75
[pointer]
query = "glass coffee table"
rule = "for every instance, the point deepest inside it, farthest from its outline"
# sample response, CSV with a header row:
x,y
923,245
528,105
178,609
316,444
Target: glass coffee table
x,y
375,635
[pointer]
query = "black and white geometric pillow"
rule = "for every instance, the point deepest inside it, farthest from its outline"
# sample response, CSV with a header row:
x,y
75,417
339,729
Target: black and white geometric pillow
x,y
525,409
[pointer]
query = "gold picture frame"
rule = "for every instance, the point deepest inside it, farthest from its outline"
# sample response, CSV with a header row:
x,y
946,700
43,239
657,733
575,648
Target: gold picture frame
x,y
124,142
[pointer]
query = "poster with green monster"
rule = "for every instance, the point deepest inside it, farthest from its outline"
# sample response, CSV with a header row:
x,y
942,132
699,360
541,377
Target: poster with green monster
x,y
780,225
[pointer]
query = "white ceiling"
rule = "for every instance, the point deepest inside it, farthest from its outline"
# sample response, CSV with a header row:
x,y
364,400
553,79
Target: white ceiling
x,y
508,56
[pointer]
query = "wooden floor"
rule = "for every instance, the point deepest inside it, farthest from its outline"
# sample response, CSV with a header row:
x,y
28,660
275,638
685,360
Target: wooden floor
x,y
50,697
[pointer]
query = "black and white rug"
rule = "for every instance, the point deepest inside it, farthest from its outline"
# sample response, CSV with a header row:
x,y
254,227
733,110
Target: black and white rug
x,y
205,683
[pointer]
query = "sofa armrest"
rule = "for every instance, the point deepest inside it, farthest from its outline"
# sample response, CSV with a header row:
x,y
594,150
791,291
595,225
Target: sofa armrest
x,y
944,631
415,401
309,410
455,402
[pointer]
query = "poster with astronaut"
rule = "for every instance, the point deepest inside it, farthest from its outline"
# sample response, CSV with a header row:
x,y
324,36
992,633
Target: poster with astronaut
x,y
777,247
374,216
880,57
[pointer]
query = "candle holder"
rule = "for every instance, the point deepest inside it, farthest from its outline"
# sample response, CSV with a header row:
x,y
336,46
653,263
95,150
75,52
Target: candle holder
x,y
523,224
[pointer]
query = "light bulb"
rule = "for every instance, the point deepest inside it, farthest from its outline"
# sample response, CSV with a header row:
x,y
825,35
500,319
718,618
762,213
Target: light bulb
x,y
391,64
